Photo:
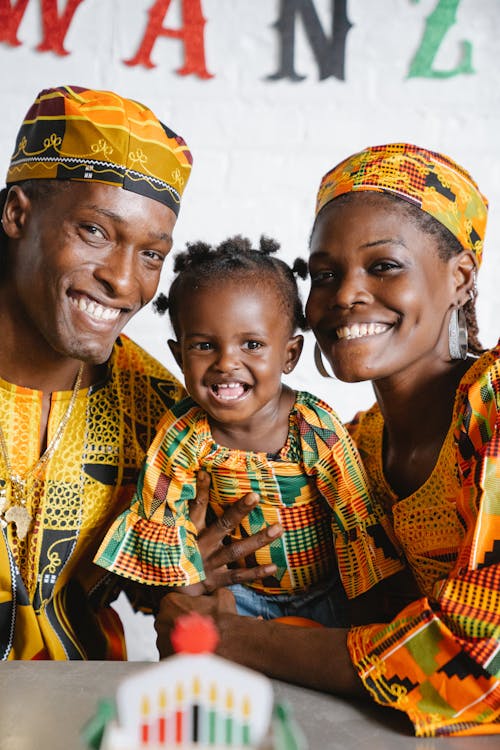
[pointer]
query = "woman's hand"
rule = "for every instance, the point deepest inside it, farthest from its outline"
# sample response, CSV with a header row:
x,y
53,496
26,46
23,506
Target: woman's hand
x,y
216,553
314,657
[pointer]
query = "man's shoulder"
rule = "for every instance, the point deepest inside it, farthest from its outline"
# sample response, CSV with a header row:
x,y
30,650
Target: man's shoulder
x,y
132,364
127,353
130,357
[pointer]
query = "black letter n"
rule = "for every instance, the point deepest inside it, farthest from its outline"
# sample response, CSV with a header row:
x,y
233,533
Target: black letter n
x,y
328,51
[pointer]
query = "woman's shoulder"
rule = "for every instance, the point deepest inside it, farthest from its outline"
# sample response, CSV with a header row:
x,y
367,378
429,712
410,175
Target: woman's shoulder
x,y
478,402
364,423
482,379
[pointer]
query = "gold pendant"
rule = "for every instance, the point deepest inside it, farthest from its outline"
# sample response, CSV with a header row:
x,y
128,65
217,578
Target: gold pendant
x,y
17,490
3,500
21,517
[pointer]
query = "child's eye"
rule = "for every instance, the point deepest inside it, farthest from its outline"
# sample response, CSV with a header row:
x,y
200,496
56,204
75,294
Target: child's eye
x,y
203,346
252,345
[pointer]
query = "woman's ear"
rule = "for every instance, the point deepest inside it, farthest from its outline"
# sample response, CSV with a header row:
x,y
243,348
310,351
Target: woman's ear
x,y
293,352
464,276
15,212
175,348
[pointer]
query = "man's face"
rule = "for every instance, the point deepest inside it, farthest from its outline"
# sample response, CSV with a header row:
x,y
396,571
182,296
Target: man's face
x,y
87,258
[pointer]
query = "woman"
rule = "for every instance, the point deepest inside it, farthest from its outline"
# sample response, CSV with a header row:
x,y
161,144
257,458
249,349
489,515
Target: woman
x,y
395,249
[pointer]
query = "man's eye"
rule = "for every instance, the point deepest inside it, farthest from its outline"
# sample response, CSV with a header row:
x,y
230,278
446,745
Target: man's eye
x,y
93,230
154,255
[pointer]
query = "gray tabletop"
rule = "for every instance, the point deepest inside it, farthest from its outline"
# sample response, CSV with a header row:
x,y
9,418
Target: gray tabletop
x,y
43,706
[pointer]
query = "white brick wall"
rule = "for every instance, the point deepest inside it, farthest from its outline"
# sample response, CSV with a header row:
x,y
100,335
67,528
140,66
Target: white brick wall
x,y
261,147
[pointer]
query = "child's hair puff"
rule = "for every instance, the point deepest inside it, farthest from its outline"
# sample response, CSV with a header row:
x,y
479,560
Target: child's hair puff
x,y
201,263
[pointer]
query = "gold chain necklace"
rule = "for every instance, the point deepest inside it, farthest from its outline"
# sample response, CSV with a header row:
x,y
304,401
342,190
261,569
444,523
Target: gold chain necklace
x,y
13,507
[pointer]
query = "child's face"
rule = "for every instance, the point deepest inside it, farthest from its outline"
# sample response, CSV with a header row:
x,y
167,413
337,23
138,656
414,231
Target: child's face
x,y
234,345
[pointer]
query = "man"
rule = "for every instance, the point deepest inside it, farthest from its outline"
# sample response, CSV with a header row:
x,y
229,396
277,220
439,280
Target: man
x,y
93,193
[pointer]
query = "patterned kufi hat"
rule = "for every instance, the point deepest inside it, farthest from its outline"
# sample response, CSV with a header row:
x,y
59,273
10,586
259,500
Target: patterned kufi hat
x,y
74,133
429,180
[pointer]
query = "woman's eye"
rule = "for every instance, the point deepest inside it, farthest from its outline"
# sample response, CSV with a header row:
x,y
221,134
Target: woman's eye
x,y
385,265
319,277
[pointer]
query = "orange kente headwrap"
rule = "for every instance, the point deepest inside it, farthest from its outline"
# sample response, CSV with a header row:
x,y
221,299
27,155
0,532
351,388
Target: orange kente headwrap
x,y
74,133
429,180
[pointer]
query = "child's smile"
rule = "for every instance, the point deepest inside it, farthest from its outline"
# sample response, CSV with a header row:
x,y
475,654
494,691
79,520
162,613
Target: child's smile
x,y
233,349
229,391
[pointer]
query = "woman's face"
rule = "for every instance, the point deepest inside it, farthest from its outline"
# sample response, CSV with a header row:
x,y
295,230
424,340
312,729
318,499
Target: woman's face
x,y
380,294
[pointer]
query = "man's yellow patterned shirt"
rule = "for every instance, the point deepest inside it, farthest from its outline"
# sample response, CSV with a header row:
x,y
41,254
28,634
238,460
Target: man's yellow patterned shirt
x,y
48,579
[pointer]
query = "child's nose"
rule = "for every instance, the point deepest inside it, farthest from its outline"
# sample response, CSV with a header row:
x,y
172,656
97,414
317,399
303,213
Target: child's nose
x,y
228,359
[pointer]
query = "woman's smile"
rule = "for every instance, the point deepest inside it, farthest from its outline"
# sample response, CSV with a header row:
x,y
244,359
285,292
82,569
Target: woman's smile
x,y
380,293
361,330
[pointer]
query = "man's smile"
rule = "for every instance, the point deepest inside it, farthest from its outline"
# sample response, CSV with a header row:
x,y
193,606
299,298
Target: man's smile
x,y
94,309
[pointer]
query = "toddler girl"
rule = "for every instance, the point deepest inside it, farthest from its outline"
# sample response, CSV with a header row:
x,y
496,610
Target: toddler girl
x,y
235,311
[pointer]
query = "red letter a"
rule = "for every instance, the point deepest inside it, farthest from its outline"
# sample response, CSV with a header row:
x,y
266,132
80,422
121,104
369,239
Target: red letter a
x,y
10,18
56,27
191,35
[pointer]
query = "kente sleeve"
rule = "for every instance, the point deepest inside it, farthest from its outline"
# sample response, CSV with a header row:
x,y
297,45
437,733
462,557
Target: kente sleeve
x,y
154,541
439,659
366,553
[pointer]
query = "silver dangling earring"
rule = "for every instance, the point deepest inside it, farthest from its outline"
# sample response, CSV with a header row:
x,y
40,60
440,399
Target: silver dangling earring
x,y
473,291
320,365
457,334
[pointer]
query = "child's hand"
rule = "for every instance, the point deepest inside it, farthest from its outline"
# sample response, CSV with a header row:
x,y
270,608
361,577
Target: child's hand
x,y
215,550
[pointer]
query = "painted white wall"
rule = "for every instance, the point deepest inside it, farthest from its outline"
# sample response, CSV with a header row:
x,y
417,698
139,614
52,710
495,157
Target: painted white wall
x,y
261,147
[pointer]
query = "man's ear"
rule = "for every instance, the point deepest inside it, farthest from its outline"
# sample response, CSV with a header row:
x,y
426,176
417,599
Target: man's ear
x,y
464,276
175,348
16,211
293,352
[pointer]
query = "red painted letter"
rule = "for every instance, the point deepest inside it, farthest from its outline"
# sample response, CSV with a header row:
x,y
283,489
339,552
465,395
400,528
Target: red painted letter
x,y
191,34
55,27
10,18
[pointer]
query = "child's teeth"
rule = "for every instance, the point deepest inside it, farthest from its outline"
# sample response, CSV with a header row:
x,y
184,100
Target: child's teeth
x,y
231,390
